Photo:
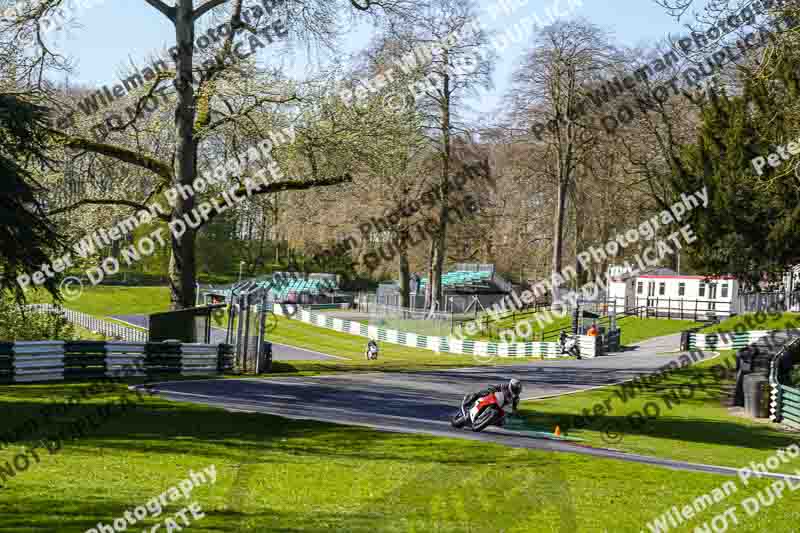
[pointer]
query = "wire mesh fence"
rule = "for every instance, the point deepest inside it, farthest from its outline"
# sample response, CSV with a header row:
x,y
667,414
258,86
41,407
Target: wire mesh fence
x,y
246,331
410,320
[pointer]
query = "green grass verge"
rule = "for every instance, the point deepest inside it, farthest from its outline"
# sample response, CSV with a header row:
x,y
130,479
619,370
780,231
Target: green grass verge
x,y
755,322
393,357
103,301
86,335
537,323
636,329
697,427
278,475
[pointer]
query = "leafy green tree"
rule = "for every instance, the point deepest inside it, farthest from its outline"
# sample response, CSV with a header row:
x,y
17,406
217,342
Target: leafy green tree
x,y
750,225
26,235
16,324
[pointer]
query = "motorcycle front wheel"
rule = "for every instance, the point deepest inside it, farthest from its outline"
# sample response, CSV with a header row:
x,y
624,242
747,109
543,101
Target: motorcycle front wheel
x,y
458,420
485,418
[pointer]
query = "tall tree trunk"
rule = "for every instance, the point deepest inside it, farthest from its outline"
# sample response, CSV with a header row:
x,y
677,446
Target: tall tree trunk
x,y
440,239
405,276
182,266
558,234
429,285
579,244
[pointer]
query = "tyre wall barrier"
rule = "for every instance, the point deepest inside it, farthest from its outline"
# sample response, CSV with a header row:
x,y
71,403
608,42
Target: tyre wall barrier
x,y
31,361
725,341
38,361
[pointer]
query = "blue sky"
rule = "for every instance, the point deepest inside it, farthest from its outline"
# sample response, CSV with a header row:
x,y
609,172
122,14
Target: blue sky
x,y
115,32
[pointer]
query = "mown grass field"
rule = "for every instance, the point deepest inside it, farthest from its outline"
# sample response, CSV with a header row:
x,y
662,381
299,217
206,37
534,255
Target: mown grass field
x,y
689,420
283,475
86,335
278,475
755,322
634,329
393,357
103,301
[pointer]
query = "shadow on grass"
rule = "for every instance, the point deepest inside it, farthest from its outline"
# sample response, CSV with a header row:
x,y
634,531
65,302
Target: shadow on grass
x,y
280,367
158,430
690,406
160,426
760,437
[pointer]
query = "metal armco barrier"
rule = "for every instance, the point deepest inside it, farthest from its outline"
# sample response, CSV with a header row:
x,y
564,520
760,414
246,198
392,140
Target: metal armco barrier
x,y
85,360
92,323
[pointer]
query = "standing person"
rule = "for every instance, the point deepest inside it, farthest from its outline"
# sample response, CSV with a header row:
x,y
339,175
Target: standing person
x,y
593,330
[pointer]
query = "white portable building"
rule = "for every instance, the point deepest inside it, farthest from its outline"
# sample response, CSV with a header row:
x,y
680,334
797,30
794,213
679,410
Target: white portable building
x,y
664,293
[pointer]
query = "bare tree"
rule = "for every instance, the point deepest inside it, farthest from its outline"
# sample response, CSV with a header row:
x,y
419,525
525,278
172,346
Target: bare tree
x,y
450,59
202,107
550,88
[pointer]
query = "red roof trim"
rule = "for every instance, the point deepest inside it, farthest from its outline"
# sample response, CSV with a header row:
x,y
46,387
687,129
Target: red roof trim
x,y
688,277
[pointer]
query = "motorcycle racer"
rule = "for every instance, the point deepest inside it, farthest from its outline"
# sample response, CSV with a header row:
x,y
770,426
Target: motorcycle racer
x,y
372,349
507,394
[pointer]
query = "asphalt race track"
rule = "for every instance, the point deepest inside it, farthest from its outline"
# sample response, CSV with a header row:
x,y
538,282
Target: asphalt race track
x,y
422,402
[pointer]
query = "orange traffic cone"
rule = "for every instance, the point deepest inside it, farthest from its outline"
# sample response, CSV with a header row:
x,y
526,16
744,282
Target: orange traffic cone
x,y
557,432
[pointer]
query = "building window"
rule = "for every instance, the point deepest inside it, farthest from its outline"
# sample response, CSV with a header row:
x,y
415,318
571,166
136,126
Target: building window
x,y
662,289
681,289
724,290
639,287
701,292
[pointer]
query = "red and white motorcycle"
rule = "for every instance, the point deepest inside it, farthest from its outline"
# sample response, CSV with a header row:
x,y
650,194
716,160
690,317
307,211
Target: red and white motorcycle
x,y
484,412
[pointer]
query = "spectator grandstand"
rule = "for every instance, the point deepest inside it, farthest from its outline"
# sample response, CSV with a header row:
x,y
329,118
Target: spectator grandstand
x,y
288,287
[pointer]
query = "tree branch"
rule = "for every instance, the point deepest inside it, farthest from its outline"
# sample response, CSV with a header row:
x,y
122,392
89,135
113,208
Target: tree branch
x,y
205,8
208,127
360,7
88,201
168,11
140,104
289,185
118,153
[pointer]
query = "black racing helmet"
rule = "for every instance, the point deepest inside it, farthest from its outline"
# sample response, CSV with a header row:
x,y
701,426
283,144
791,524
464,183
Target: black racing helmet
x,y
515,386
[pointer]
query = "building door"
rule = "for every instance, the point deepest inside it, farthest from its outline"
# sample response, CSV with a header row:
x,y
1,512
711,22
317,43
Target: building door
x,y
651,291
630,295
712,295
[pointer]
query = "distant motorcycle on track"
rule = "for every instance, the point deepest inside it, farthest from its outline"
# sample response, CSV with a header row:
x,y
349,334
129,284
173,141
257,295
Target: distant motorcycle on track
x,y
372,351
569,345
